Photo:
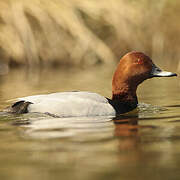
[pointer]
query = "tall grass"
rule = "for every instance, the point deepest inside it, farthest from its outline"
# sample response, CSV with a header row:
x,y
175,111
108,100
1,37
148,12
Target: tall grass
x,y
87,32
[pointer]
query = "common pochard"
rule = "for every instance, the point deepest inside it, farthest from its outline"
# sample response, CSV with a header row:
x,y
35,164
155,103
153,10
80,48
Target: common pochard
x,y
132,70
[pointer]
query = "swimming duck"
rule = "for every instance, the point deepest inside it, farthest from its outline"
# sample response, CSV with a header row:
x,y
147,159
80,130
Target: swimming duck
x,y
132,70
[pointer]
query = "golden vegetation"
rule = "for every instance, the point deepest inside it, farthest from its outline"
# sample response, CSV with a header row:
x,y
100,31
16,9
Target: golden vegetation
x,y
87,32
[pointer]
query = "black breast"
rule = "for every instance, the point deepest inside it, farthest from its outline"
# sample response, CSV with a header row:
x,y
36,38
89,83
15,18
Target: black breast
x,y
122,106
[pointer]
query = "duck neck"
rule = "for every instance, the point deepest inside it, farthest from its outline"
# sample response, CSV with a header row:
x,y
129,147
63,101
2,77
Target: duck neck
x,y
124,98
125,93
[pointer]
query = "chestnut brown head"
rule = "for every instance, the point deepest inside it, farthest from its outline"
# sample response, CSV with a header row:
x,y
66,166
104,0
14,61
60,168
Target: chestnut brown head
x,y
133,69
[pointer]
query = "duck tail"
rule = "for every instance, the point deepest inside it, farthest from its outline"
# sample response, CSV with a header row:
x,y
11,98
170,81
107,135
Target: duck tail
x,y
19,107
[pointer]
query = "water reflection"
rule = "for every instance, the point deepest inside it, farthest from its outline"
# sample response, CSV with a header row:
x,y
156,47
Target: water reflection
x,y
99,147
126,126
39,146
44,126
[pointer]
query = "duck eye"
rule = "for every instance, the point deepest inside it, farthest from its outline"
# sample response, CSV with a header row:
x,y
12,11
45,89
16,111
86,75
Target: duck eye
x,y
139,61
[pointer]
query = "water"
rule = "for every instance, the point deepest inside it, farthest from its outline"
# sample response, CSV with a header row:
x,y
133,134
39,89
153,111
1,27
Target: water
x,y
36,146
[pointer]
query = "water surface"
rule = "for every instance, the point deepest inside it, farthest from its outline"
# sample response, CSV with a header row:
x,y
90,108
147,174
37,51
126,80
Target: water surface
x,y
36,146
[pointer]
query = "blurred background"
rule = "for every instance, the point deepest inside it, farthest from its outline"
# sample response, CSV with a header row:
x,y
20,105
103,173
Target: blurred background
x,y
85,33
43,39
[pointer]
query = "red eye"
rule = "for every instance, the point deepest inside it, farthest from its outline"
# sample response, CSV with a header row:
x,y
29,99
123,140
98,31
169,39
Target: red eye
x,y
139,61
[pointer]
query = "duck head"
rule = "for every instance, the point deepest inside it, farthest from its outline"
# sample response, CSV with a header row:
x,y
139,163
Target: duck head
x,y
133,69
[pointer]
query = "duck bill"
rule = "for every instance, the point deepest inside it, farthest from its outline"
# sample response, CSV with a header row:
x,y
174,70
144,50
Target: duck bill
x,y
157,72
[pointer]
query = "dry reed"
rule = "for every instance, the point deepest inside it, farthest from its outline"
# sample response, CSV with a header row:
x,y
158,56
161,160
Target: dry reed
x,y
87,32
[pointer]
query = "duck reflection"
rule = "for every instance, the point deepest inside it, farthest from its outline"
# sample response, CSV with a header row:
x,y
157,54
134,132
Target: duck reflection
x,y
130,140
126,126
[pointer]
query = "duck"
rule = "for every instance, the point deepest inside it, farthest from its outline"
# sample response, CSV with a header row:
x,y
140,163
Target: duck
x,y
133,68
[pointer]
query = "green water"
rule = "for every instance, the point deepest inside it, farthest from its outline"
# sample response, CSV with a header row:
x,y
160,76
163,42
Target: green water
x,y
41,147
